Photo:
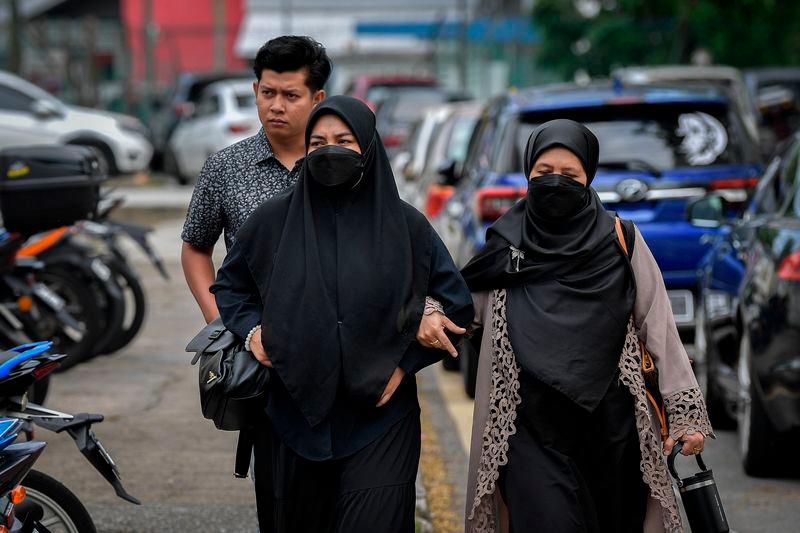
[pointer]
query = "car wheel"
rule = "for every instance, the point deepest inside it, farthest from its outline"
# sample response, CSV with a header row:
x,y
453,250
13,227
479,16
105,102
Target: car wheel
x,y
173,168
757,437
705,370
105,157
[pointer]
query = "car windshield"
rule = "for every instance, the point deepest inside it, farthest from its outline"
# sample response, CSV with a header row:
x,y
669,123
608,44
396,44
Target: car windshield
x,y
653,136
410,103
246,100
458,143
377,94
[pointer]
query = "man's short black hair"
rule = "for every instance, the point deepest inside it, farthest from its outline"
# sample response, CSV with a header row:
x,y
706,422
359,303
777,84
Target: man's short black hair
x,y
289,53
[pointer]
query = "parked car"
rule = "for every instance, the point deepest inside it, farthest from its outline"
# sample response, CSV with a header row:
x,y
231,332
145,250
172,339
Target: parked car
x,y
31,115
729,79
659,147
776,93
374,89
748,319
406,106
225,114
180,103
431,172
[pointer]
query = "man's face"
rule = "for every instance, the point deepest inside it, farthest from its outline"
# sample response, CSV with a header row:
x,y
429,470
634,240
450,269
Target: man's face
x,y
284,103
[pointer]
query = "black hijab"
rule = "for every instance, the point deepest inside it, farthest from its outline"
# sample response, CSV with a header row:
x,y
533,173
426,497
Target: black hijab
x,y
569,289
342,273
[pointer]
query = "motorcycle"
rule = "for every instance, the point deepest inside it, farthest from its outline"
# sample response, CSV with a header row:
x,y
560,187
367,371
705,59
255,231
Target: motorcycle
x,y
20,367
91,254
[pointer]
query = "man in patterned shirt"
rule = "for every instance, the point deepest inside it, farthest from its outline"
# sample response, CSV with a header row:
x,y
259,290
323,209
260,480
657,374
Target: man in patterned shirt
x,y
291,72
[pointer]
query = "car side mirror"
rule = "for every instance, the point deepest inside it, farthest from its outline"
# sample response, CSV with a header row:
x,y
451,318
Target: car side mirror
x,y
774,97
706,212
447,170
45,109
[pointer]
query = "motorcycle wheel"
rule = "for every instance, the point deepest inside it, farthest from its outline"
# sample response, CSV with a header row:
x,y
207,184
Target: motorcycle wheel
x,y
135,306
63,511
81,304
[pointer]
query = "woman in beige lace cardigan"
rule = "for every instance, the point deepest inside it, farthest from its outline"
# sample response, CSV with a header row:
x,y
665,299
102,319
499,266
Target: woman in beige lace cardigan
x,y
563,436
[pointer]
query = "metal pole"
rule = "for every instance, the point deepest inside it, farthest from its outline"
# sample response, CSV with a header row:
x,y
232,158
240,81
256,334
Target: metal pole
x,y
148,38
14,38
463,43
286,18
218,7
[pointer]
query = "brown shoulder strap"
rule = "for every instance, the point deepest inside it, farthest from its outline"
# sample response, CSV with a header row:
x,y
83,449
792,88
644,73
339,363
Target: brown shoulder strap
x,y
621,235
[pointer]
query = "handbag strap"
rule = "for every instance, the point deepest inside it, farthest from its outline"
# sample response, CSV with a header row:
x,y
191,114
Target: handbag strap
x,y
648,365
211,338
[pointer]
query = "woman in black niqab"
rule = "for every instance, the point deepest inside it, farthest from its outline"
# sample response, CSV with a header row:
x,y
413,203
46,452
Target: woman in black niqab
x,y
555,253
345,282
568,296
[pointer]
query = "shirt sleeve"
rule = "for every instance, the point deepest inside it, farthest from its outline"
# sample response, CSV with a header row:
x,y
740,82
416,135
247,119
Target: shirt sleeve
x,y
236,292
204,222
447,287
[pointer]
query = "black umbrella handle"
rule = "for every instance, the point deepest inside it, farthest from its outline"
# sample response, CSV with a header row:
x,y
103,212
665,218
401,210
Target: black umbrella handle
x,y
671,462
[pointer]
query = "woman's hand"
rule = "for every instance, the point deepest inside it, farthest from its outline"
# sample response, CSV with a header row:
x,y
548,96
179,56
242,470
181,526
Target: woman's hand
x,y
693,443
394,382
258,349
431,333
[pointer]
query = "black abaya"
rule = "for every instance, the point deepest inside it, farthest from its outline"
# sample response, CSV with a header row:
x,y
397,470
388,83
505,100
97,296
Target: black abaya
x,y
572,471
372,490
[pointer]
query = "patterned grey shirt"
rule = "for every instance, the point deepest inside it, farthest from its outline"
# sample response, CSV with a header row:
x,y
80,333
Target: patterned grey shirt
x,y
232,184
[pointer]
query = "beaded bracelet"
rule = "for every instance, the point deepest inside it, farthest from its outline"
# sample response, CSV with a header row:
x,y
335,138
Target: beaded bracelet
x,y
250,337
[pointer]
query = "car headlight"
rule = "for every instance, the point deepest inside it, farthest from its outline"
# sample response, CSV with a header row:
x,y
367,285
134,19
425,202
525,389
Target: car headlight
x,y
132,125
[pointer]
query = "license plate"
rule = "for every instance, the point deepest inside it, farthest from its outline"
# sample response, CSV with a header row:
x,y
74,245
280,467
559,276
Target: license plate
x,y
682,302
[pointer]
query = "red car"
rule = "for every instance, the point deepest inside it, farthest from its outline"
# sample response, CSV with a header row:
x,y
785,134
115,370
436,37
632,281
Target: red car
x,y
374,89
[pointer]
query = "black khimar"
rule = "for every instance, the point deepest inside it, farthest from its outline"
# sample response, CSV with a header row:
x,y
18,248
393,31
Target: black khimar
x,y
569,287
342,271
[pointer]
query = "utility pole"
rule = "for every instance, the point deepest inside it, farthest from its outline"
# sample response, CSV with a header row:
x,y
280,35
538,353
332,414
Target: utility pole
x,y
148,38
14,38
463,43
286,17
218,13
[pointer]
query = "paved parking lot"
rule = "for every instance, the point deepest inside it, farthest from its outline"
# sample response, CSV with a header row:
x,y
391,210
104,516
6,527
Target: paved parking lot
x,y
181,467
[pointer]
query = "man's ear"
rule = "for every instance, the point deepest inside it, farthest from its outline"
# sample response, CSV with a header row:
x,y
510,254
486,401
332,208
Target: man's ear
x,y
319,96
255,87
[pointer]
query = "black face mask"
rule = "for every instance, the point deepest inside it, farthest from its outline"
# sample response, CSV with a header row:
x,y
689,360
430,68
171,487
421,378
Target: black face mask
x,y
554,196
334,166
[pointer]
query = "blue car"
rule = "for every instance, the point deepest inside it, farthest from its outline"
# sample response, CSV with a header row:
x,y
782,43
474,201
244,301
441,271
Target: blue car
x,y
660,147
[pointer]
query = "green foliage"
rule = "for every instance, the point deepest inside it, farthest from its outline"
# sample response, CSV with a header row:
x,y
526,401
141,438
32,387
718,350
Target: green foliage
x,y
742,33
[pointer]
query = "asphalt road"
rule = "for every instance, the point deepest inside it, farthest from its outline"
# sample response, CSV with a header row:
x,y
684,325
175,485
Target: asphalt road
x,y
181,467
171,458
752,505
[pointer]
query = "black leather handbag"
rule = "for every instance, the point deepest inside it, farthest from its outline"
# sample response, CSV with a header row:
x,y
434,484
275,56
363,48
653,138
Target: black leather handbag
x,y
700,497
232,382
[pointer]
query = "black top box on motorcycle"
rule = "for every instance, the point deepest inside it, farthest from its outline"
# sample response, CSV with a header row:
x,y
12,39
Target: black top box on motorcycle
x,y
46,187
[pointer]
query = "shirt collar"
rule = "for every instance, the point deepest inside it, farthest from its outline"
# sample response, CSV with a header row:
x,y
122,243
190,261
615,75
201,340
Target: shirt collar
x,y
263,146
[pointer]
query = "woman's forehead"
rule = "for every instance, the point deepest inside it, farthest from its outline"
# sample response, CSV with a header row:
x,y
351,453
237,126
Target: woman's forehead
x,y
559,155
330,121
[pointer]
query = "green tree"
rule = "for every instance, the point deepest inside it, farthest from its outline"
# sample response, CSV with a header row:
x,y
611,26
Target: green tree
x,y
597,35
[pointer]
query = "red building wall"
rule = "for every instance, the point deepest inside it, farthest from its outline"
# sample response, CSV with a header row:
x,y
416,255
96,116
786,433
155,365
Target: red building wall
x,y
184,38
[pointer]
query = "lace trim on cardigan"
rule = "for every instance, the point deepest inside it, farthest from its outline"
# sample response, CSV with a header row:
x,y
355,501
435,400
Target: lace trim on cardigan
x,y
503,401
686,410
652,464
432,305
